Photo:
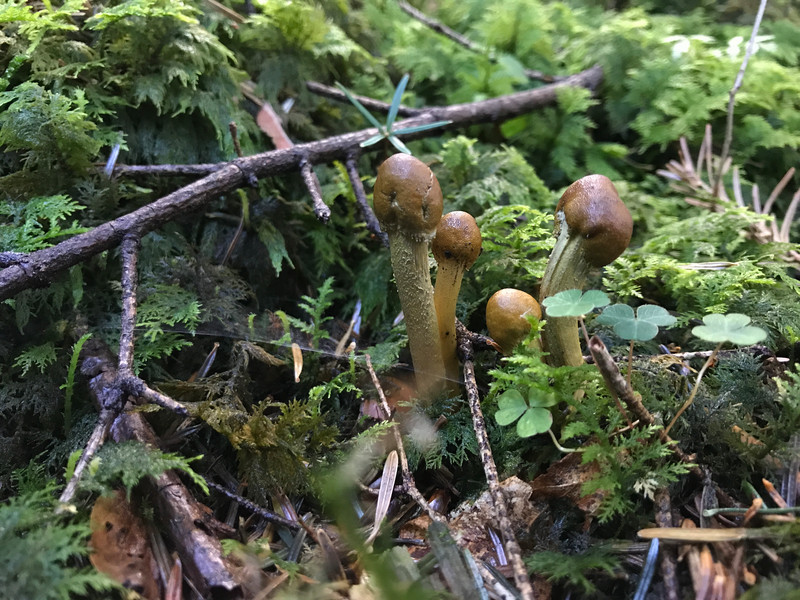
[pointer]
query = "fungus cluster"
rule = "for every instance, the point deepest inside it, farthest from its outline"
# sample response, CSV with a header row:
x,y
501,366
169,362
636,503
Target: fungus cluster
x,y
593,227
408,203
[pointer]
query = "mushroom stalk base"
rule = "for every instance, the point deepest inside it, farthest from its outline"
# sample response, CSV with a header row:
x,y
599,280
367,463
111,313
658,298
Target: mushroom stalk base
x,y
412,274
567,269
445,296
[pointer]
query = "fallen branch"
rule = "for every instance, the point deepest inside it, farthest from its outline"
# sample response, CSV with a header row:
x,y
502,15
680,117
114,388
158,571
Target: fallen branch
x,y
512,547
38,269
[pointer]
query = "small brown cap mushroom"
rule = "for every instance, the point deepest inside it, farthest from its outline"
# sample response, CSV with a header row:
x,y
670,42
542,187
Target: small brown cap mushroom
x,y
593,209
458,239
407,196
506,316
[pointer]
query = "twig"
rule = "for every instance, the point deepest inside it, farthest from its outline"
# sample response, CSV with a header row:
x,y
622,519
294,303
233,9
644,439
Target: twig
x,y
726,146
464,41
513,550
198,170
370,103
130,259
619,387
408,478
668,563
104,375
92,446
254,508
440,27
237,147
361,199
37,269
321,210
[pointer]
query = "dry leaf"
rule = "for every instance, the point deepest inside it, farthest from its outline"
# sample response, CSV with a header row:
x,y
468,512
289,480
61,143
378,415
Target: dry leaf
x,y
269,123
121,548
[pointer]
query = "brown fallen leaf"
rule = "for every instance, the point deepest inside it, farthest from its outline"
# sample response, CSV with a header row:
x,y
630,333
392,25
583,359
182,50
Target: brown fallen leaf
x,y
120,546
269,122
565,478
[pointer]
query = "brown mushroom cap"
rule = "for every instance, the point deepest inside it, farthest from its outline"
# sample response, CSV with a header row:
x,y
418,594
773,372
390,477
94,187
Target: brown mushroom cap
x,y
457,239
506,316
592,209
407,197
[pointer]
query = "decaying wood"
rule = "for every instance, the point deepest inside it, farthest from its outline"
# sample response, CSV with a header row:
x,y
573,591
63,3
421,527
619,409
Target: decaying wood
x,y
190,527
38,269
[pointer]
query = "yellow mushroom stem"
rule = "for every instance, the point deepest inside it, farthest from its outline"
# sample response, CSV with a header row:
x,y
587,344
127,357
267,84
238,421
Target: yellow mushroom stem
x,y
445,296
592,227
566,270
413,278
408,203
456,247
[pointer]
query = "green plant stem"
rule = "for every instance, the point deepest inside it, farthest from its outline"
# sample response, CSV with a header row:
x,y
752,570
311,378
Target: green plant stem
x,y
69,386
630,363
559,446
690,399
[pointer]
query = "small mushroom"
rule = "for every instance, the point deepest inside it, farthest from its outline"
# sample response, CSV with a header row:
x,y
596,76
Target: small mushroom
x,y
456,247
408,203
506,317
593,227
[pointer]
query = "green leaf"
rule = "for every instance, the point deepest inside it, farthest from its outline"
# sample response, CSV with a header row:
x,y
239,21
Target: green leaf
x,y
733,327
417,128
364,112
574,303
537,398
372,140
398,95
511,405
534,421
399,145
39,356
642,326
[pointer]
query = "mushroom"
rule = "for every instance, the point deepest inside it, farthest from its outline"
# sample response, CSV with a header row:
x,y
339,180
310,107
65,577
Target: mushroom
x,y
593,227
456,246
506,317
408,203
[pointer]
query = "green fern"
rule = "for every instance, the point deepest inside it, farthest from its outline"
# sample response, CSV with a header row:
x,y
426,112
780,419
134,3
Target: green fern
x,y
127,463
38,223
574,569
40,357
48,128
38,550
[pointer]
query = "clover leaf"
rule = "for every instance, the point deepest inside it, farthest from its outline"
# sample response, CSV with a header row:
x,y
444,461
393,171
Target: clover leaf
x,y
733,328
641,326
511,405
533,414
574,303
